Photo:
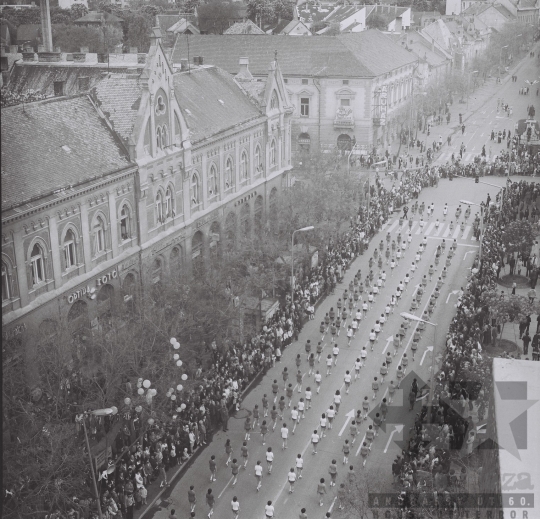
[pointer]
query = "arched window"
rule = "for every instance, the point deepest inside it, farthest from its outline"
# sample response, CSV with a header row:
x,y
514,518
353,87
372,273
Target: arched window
x,y
125,223
70,253
273,153
245,223
258,216
194,190
37,263
257,160
157,271
230,231
176,261
99,235
244,166
274,103
158,138
229,173
7,291
212,181
159,207
169,203
164,136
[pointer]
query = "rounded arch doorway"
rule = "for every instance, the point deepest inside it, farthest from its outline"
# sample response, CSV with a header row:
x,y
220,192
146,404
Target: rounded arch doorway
x,y
344,142
197,252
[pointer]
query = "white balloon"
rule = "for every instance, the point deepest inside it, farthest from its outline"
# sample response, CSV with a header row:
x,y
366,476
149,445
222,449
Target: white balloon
x,y
171,390
179,387
178,409
184,377
150,421
182,406
176,356
154,392
172,340
140,391
178,363
176,345
127,401
173,398
147,384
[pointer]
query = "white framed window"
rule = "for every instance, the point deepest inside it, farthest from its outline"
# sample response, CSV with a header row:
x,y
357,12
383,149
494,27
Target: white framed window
x,y
125,223
273,153
257,160
38,265
164,136
194,190
229,173
6,283
160,217
244,166
304,107
212,181
159,141
345,102
99,235
169,203
70,253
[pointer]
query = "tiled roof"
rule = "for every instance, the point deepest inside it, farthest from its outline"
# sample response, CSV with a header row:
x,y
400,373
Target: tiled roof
x,y
211,102
476,9
52,144
182,26
326,56
41,77
166,21
247,27
118,96
376,51
308,13
504,11
422,48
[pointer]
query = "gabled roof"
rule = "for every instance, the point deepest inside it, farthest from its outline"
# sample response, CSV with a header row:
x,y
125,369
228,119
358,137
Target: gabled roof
x,y
28,31
247,27
119,96
417,43
212,102
343,12
99,17
504,11
363,54
166,21
476,8
182,26
52,144
288,26
526,4
440,33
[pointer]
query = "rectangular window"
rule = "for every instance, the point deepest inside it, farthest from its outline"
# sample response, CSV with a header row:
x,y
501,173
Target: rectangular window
x,y
345,102
100,239
304,106
37,271
69,254
345,81
304,81
59,88
285,80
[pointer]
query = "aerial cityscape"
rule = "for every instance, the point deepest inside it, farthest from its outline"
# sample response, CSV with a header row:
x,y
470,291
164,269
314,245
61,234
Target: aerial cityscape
x,y
270,259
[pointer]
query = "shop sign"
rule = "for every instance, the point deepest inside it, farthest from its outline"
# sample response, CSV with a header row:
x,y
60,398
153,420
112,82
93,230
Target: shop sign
x,y
13,332
128,264
177,239
102,280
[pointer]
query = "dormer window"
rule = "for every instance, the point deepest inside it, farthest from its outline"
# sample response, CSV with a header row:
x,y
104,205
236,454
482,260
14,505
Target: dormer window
x,y
274,103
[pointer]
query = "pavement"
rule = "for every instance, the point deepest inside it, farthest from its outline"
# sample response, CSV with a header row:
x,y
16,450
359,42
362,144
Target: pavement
x,y
385,448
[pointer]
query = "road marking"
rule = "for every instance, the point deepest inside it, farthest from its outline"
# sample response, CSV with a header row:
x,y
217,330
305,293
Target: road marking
x,y
446,232
419,230
360,446
466,233
349,416
397,428
228,483
332,505
430,228
439,229
393,225
453,291
429,348
456,233
388,341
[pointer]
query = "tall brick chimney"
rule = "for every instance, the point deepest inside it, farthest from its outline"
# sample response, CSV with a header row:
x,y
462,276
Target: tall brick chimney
x,y
46,30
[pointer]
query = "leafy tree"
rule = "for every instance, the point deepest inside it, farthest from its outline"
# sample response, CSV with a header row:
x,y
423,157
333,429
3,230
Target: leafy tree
x,y
518,236
378,21
70,38
189,6
260,11
31,15
508,308
216,16
333,30
78,11
137,28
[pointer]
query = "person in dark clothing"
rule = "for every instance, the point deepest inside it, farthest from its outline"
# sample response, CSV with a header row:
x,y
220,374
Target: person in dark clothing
x,y
512,263
526,341
224,417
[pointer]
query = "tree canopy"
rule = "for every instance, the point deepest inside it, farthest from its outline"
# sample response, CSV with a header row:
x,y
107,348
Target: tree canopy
x,y
518,236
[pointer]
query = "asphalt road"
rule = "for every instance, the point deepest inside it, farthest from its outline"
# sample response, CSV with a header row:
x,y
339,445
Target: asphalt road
x,y
275,486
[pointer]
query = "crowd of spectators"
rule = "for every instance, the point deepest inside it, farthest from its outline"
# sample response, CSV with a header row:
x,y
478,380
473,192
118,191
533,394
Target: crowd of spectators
x,y
446,430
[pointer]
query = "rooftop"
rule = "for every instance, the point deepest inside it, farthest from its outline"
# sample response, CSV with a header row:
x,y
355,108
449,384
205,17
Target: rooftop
x,y
247,27
212,102
64,137
363,54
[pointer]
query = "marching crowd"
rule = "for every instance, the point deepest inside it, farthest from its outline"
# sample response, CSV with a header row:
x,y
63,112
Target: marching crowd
x,y
463,383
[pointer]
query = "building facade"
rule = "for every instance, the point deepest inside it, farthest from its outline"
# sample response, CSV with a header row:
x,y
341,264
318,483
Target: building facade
x,y
140,179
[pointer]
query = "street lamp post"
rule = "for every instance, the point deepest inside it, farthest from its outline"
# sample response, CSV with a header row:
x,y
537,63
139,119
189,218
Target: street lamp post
x,y
467,202
495,185
97,412
469,86
303,229
413,317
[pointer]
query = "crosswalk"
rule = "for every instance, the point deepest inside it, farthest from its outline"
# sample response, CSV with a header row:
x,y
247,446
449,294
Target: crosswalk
x,y
446,156
430,229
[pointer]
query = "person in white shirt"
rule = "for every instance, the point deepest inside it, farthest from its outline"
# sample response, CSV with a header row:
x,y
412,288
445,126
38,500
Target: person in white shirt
x,y
269,509
284,436
347,378
295,417
363,355
258,475
357,366
354,326
301,408
318,379
335,352
299,465
291,477
314,441
235,505
330,414
358,315
337,400
269,459
322,423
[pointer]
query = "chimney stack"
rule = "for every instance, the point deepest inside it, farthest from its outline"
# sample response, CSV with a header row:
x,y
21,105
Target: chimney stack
x,y
46,30
243,73
184,64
